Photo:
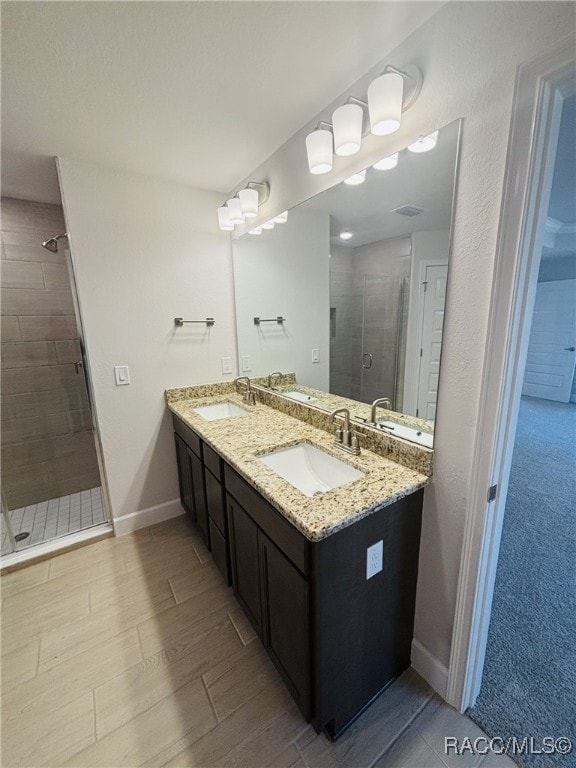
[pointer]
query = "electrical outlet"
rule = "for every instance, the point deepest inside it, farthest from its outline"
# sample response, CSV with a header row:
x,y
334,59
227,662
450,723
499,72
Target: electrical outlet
x,y
315,355
226,365
374,559
246,363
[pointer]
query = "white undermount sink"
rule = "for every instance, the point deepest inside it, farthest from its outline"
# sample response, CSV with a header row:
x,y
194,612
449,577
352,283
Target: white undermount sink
x,y
310,469
300,396
220,411
408,433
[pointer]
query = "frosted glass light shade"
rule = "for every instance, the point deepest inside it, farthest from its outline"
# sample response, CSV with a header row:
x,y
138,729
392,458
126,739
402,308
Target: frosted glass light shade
x,y
268,225
356,178
235,211
319,151
345,235
249,202
224,219
387,163
424,143
255,231
385,103
282,218
347,122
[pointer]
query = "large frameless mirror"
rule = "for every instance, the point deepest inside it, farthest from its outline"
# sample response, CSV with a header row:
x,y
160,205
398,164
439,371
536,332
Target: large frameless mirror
x,y
349,292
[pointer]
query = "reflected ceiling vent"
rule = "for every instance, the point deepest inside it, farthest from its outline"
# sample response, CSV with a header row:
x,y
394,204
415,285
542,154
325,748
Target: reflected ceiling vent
x,y
408,210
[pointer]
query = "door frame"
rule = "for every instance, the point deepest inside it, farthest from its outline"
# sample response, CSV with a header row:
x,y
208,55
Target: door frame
x,y
539,91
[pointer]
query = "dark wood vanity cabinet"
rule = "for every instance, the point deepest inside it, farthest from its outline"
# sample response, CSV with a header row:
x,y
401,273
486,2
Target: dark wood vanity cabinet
x,y
191,476
337,637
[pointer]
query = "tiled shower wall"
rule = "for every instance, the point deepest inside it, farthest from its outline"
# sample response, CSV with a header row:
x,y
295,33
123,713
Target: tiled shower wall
x,y
368,278
47,439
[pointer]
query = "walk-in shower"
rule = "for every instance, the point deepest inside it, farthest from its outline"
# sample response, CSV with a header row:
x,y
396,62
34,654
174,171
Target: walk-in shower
x,y
51,473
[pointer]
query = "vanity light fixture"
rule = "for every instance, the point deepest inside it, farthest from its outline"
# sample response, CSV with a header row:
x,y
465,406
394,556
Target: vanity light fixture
x,y
319,148
224,219
388,95
235,211
345,235
249,202
391,94
356,178
387,163
347,121
244,205
268,224
424,143
255,231
282,218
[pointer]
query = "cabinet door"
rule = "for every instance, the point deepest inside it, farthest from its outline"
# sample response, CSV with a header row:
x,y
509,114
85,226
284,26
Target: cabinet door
x,y
243,534
184,476
215,501
286,620
201,514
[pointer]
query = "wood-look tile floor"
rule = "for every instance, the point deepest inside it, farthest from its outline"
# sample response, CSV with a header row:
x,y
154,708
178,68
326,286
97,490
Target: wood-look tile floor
x,y
133,652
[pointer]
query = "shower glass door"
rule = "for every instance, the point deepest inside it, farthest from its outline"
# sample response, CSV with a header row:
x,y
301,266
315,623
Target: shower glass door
x,y
369,316
384,317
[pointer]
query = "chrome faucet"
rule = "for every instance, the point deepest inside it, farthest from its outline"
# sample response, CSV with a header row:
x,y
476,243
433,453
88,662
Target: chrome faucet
x,y
382,402
271,375
248,397
345,438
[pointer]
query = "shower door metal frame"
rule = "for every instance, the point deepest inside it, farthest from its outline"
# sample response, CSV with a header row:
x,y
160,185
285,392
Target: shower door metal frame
x,y
85,364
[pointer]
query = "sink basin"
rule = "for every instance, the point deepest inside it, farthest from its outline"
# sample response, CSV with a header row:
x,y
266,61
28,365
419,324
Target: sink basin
x,y
309,469
300,396
220,411
408,433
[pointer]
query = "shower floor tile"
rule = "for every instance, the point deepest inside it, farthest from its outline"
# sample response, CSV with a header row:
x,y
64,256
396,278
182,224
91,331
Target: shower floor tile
x,y
54,518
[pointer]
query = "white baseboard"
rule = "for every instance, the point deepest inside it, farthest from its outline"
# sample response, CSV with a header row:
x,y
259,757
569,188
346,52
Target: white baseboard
x,y
430,668
150,516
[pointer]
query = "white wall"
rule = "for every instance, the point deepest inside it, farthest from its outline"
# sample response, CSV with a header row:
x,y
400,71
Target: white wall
x,y
468,53
146,251
285,271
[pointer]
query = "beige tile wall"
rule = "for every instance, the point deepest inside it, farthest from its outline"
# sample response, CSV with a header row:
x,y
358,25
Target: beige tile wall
x,y
47,439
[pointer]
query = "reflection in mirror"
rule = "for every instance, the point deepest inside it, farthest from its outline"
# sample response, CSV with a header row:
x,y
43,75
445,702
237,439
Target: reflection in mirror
x,y
358,274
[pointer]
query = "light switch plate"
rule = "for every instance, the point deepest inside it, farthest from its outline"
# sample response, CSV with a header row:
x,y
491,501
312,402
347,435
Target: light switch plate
x,y
315,355
226,365
122,375
246,363
374,559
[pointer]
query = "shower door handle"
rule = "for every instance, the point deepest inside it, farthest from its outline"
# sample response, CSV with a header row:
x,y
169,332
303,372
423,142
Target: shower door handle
x,y
79,366
570,349
366,360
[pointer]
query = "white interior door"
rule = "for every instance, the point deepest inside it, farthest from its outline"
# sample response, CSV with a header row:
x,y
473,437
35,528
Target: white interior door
x,y
432,323
552,347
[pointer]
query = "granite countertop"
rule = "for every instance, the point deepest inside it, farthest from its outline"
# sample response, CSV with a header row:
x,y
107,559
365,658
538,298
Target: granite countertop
x,y
240,441
330,402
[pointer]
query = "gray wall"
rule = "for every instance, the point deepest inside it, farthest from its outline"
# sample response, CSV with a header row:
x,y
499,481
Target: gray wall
x,y
47,439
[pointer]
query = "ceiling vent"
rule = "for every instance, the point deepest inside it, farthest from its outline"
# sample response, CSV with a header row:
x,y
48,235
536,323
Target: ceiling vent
x,y
408,210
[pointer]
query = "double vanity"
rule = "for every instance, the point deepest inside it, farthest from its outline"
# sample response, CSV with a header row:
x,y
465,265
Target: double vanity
x,y
319,544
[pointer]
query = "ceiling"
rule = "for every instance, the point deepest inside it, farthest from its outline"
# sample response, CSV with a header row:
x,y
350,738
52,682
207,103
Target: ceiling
x,y
196,92
424,181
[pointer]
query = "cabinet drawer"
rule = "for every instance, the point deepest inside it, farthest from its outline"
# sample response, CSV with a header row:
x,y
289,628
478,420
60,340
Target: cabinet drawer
x,y
293,543
188,435
220,551
213,461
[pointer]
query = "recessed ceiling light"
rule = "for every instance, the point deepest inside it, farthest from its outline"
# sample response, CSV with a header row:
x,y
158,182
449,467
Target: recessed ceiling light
x,y
345,235
356,178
